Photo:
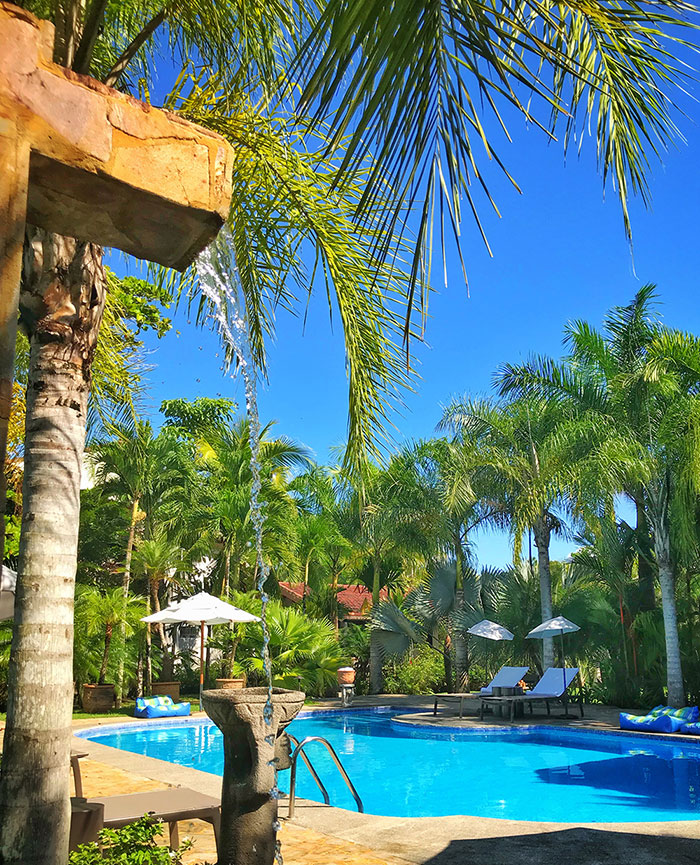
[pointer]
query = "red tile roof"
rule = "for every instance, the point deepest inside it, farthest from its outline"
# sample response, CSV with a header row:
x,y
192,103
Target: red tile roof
x,y
356,599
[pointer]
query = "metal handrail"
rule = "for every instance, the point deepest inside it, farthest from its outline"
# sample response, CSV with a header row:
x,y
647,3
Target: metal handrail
x,y
299,749
309,766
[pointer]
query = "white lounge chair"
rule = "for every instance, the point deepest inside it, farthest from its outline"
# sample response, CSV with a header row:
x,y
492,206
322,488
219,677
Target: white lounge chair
x,y
506,677
553,685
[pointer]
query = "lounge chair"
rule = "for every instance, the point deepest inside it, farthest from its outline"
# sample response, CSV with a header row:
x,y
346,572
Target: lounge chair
x,y
506,677
169,805
159,707
663,719
553,685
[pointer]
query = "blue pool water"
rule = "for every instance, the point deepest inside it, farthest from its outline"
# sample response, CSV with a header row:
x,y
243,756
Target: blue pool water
x,y
525,773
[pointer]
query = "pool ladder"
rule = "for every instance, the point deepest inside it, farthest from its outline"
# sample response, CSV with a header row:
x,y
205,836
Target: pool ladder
x,y
299,752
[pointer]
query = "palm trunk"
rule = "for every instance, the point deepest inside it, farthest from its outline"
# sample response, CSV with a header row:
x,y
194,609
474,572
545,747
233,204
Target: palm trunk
x,y
645,569
460,639
166,673
376,677
126,580
105,656
542,534
227,576
149,649
305,586
674,671
334,587
61,304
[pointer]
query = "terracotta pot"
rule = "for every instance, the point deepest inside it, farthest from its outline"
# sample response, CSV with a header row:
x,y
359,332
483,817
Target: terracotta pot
x,y
231,684
166,689
346,676
97,698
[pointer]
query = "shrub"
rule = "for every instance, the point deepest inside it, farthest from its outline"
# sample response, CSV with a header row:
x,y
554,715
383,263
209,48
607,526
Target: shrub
x,y
134,844
421,671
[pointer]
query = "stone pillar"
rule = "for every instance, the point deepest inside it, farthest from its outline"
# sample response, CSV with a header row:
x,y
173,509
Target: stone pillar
x,y
248,814
14,180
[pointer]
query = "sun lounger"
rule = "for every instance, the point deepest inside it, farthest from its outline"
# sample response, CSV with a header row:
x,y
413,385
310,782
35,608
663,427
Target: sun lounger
x,y
663,719
506,677
159,707
553,686
169,805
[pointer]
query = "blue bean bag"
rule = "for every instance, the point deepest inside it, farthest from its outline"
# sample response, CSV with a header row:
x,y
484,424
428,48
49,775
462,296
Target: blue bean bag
x,y
692,729
160,707
651,723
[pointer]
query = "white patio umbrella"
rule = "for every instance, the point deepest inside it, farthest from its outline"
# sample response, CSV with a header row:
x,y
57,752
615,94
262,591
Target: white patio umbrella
x,y
8,584
202,609
552,627
490,630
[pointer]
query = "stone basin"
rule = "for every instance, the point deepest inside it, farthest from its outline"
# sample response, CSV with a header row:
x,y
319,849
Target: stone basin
x,y
248,811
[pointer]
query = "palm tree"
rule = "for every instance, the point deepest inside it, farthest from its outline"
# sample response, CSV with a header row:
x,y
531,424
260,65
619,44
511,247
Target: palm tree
x,y
425,87
160,559
285,197
99,613
640,380
447,485
321,499
530,448
225,512
139,469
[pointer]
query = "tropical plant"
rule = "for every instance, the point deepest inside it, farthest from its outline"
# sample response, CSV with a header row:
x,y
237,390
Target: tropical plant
x,y
285,198
530,447
99,613
640,379
133,844
304,653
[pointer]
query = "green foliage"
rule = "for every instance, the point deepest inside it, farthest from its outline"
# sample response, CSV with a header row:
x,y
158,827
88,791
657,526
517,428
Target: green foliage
x,y
421,671
304,653
134,844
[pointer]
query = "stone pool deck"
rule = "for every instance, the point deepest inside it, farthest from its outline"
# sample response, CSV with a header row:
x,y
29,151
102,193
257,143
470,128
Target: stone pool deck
x,y
325,835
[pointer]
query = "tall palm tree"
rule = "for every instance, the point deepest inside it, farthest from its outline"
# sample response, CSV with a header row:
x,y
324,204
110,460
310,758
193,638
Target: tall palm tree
x,y
446,484
285,198
159,559
320,497
225,510
530,448
640,379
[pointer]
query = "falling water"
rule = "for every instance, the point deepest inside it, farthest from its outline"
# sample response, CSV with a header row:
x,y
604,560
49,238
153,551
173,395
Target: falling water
x,y
218,282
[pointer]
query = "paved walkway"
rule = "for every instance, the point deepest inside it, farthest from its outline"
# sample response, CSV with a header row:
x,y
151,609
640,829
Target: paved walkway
x,y
300,846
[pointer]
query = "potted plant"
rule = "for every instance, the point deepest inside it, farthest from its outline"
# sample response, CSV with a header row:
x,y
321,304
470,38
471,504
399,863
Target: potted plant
x,y
98,614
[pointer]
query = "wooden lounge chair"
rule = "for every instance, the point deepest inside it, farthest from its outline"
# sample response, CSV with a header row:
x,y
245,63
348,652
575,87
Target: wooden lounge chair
x,y
506,677
553,686
169,805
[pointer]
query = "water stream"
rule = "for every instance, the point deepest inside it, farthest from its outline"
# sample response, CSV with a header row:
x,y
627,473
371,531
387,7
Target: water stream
x,y
217,274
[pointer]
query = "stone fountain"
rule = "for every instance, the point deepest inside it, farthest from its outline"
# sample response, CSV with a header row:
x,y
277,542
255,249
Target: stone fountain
x,y
248,810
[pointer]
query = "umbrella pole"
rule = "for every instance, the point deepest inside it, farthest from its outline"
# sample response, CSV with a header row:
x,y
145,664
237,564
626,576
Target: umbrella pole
x,y
201,663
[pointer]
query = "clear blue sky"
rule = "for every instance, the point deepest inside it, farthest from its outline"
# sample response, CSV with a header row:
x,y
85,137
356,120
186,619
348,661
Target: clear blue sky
x,y
559,253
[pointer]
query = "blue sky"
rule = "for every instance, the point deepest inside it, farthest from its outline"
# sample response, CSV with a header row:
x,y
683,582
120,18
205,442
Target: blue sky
x,y
559,253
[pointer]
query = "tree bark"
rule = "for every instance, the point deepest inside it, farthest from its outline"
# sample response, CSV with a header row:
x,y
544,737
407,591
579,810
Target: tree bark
x,y
460,639
542,534
126,580
674,671
61,306
167,669
376,676
645,568
105,656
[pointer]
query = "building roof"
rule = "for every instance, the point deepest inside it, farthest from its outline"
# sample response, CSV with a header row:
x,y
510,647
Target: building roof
x,y
356,599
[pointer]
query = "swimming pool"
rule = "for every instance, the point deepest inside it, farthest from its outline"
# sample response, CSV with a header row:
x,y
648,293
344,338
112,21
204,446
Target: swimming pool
x,y
532,773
